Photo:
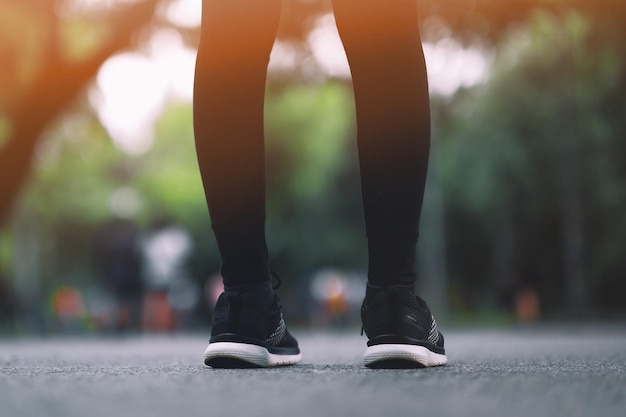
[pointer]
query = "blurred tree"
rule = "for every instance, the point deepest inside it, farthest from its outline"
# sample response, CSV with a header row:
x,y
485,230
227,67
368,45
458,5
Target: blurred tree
x,y
76,170
532,163
168,180
50,53
527,159
491,19
313,184
52,49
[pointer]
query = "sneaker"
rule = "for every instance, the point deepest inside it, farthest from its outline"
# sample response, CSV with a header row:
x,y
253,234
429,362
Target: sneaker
x,y
401,330
249,331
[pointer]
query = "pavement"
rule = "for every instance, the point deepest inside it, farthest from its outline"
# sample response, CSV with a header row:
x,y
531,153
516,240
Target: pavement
x,y
541,371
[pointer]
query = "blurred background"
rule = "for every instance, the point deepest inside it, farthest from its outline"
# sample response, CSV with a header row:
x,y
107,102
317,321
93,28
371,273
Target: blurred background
x,y
103,223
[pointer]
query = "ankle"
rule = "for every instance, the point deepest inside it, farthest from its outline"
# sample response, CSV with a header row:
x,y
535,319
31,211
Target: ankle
x,y
372,290
257,288
255,294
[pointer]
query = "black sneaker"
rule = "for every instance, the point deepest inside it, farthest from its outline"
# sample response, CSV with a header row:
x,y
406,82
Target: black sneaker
x,y
401,330
249,331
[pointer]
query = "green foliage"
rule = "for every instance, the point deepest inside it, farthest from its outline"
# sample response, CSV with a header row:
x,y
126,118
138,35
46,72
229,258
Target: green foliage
x,y
314,211
74,172
312,124
542,136
78,168
312,180
167,176
522,153
6,251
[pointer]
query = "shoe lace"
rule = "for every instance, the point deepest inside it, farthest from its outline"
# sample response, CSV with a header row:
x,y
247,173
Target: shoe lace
x,y
279,281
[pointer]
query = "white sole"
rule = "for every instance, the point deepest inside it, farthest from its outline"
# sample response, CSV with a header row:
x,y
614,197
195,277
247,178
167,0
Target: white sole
x,y
400,352
253,354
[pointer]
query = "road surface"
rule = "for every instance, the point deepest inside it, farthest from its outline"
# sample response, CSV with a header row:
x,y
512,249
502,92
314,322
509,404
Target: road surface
x,y
548,371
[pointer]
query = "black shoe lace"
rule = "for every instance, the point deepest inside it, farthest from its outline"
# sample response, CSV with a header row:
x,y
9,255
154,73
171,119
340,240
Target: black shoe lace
x,y
279,281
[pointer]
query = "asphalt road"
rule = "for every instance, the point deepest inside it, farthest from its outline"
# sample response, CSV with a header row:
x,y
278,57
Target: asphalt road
x,y
550,371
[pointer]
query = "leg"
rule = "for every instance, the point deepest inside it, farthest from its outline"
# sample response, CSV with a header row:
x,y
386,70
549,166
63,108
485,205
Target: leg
x,y
383,45
237,37
236,41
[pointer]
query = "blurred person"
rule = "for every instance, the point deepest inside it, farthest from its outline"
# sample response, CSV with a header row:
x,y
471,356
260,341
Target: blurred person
x,y
329,290
165,250
68,308
383,45
527,305
118,264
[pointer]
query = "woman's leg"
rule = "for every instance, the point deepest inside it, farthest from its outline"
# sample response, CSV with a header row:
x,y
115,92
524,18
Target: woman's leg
x,y
383,45
382,41
236,41
237,36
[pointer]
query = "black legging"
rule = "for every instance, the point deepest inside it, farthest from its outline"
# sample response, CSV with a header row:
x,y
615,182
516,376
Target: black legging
x,y
382,42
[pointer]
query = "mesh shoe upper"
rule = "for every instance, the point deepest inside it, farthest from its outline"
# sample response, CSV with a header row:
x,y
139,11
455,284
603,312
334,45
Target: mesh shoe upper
x,y
394,314
251,315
